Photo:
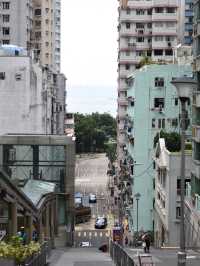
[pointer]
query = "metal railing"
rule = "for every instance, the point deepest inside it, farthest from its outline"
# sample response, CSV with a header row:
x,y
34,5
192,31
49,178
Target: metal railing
x,y
41,258
119,255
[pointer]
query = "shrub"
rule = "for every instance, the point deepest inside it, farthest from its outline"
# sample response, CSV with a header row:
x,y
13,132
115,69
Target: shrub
x,y
15,250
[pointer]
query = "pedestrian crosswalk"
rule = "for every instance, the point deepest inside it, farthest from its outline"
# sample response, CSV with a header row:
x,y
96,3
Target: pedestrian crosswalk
x,y
95,237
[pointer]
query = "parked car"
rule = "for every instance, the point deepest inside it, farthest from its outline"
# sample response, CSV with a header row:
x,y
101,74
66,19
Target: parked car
x,y
101,223
92,198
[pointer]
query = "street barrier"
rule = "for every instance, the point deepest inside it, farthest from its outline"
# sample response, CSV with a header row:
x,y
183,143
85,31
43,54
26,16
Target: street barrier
x,y
119,255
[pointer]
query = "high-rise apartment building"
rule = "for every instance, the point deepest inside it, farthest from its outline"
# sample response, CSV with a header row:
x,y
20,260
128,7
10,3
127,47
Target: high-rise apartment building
x,y
192,210
16,20
46,32
147,29
153,106
33,24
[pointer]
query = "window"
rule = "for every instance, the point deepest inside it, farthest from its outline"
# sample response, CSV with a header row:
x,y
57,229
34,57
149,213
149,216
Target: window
x,y
158,52
169,52
176,101
174,122
163,123
158,24
159,123
178,212
159,10
149,12
170,24
149,25
158,39
6,30
128,11
2,75
140,12
6,18
38,12
153,123
127,67
5,5
38,23
159,82
127,53
18,76
170,10
5,42
169,39
140,39
128,25
38,35
149,53
139,26
159,102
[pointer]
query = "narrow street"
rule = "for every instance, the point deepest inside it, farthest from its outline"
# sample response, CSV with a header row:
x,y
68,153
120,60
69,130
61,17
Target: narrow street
x,y
91,177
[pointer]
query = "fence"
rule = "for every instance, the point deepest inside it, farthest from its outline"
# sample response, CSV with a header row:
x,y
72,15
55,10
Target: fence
x,y
41,258
120,256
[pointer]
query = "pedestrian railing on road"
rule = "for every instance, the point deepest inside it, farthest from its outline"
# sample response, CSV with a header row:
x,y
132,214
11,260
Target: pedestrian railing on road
x,y
120,256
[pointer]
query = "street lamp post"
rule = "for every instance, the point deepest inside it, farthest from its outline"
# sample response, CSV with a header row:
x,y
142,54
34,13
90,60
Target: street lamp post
x,y
184,87
137,197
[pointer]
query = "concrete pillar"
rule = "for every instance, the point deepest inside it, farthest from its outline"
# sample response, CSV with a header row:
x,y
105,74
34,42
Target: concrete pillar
x,y
52,224
47,222
56,215
12,219
29,228
40,229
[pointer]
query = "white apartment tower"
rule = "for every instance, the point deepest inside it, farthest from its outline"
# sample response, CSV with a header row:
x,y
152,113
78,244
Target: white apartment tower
x,y
147,29
47,32
33,24
16,20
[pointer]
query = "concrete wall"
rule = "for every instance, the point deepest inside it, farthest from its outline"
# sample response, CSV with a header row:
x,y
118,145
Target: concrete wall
x,y
21,100
20,24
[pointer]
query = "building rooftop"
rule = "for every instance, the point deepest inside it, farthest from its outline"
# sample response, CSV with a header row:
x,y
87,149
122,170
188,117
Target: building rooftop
x,y
36,189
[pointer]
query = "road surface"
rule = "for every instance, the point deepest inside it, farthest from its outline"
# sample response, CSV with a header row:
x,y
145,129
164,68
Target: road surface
x,y
91,177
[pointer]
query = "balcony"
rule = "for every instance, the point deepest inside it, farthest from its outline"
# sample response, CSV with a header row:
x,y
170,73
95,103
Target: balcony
x,y
196,98
156,17
195,169
193,200
196,133
122,101
137,18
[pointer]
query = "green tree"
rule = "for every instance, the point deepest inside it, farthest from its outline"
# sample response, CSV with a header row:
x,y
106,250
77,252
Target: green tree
x,y
93,131
111,153
172,140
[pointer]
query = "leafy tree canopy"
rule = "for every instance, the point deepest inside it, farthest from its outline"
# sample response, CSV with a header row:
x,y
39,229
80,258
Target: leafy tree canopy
x,y
172,140
93,131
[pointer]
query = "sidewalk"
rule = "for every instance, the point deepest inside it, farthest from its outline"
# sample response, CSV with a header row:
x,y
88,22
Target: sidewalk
x,y
80,257
165,257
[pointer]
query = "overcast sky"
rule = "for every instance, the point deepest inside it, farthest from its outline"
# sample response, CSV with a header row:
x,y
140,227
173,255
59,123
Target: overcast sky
x,y
89,54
